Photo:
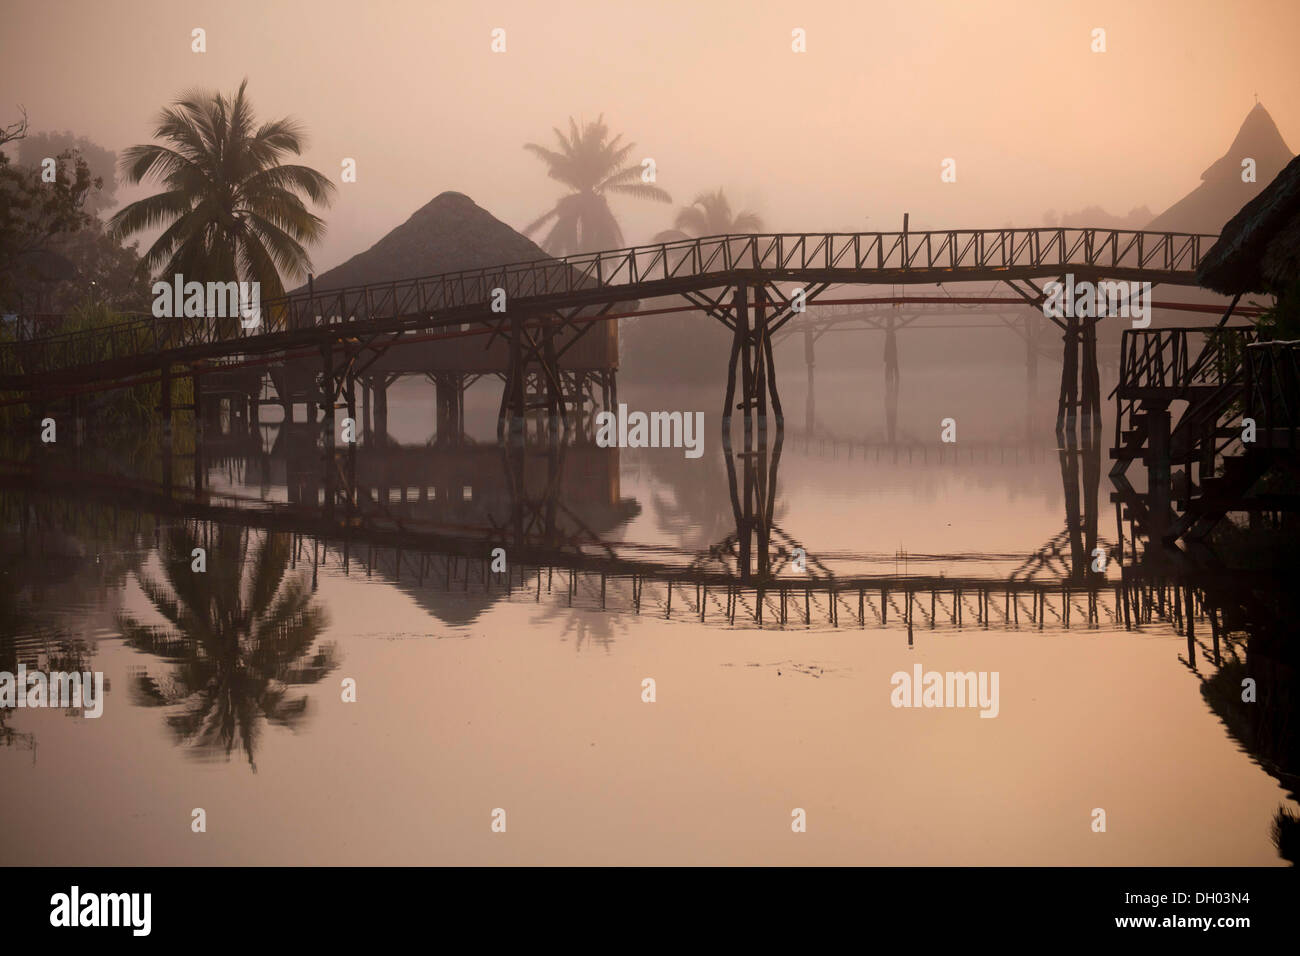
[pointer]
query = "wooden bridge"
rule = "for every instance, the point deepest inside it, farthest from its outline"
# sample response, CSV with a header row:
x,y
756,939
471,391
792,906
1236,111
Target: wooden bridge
x,y
550,304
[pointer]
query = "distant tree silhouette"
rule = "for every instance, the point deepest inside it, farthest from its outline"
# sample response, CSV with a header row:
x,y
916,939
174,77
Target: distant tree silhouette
x,y
590,164
709,214
37,146
1097,217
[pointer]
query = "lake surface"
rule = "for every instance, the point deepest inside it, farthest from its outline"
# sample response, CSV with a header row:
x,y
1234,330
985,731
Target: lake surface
x,y
517,692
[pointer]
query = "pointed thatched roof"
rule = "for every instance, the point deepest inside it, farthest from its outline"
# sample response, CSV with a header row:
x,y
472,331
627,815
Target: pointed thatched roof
x,y
453,234
450,233
1259,248
1221,193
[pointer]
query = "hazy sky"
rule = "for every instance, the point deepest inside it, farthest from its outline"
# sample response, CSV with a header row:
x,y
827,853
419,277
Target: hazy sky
x,y
848,135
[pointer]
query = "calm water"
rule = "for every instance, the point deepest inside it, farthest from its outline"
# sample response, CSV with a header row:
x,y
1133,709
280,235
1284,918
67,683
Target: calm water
x,y
470,697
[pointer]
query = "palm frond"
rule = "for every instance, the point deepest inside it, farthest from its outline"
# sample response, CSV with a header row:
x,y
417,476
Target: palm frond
x,y
231,208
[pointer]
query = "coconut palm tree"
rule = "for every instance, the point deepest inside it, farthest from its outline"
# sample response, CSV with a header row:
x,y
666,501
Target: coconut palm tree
x,y
231,206
591,164
709,214
239,637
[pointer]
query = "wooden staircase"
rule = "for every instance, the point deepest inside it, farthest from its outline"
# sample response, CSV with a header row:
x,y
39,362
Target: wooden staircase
x,y
1198,468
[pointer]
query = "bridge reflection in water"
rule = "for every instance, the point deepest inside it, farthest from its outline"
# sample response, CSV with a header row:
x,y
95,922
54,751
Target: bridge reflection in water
x,y
429,516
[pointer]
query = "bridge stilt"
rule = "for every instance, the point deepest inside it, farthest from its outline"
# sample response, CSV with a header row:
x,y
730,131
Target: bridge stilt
x,y
810,360
350,393
326,403
1081,481
1067,406
534,382
891,380
751,366
1089,383
728,401
753,500
365,410
1031,373
1080,396
381,407
449,402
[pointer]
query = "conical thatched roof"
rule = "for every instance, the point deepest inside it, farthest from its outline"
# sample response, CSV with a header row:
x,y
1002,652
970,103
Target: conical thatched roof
x,y
1259,249
450,233
453,234
1221,193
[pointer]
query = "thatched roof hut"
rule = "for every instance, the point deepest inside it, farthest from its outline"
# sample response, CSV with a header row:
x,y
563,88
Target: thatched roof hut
x,y
450,233
1259,248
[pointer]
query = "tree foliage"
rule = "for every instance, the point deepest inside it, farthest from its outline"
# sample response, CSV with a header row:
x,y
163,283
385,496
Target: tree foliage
x,y
592,166
35,214
231,207
710,214
102,162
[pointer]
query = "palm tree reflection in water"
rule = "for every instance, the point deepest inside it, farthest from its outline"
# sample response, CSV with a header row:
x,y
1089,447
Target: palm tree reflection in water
x,y
240,637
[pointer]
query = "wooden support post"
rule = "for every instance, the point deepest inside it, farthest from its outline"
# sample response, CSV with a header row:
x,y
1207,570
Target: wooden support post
x,y
1090,396
891,381
1031,373
556,414
326,402
740,308
516,401
365,410
1068,403
810,360
381,408
351,398
747,369
761,370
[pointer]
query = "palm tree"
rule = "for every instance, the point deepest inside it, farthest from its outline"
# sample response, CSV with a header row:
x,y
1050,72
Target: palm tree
x,y
709,214
238,638
231,207
590,164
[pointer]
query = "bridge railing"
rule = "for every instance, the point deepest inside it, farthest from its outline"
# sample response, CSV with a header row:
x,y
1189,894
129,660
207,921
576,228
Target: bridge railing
x,y
846,257
1180,358
1163,364
104,344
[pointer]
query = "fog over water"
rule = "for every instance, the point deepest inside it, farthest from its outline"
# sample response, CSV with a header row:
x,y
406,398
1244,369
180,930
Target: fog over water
x,y
523,689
